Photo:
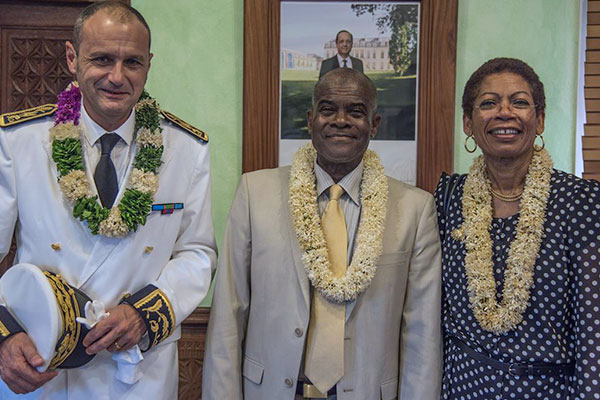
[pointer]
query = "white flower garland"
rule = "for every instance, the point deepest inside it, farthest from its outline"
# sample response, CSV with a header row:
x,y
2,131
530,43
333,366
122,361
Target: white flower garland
x,y
307,224
475,233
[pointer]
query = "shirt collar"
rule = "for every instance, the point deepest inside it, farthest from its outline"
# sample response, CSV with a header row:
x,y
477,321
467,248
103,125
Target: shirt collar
x,y
93,131
350,183
341,59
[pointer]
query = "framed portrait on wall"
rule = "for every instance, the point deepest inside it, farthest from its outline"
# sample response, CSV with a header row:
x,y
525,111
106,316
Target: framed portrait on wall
x,y
408,49
385,40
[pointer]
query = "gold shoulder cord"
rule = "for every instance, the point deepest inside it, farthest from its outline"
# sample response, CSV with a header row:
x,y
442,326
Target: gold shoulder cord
x,y
185,126
17,117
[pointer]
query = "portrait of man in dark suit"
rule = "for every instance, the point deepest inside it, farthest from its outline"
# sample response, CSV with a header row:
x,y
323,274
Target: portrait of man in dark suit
x,y
379,39
343,59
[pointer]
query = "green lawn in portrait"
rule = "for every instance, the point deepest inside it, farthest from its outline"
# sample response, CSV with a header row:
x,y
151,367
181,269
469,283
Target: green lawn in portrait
x,y
396,96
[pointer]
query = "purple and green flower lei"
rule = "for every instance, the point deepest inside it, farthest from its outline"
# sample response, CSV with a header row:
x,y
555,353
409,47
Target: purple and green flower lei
x,y
67,153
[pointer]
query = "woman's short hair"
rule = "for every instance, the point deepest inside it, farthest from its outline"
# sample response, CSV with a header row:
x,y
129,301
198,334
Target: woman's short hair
x,y
496,66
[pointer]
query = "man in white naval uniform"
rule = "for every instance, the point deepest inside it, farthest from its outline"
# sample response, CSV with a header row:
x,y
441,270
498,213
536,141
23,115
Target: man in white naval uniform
x,y
151,278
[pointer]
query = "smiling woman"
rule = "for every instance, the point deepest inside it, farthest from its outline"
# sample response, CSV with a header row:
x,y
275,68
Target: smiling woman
x,y
504,123
520,253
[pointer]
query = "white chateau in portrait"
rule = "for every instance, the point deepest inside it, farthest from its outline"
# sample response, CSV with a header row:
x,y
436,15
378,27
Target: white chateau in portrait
x,y
292,59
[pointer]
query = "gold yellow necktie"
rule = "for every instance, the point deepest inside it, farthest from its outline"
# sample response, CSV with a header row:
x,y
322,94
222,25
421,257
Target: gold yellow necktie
x,y
324,362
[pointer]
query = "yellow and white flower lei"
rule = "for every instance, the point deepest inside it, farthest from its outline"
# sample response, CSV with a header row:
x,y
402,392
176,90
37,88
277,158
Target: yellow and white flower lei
x,y
475,233
307,224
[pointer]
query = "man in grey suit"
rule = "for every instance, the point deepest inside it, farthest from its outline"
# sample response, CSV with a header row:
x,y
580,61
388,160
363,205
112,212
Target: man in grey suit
x,y
286,322
343,42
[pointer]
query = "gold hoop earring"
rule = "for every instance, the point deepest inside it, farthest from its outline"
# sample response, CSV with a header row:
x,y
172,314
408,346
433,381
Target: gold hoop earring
x,y
467,144
539,148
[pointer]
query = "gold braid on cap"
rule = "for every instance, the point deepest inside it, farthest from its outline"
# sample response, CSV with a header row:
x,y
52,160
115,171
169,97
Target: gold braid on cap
x,y
69,309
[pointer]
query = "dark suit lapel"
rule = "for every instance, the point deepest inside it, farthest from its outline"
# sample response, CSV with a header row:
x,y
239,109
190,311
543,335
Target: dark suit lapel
x,y
357,64
336,63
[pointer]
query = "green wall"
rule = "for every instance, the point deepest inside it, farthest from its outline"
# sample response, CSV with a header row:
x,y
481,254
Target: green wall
x,y
196,74
544,34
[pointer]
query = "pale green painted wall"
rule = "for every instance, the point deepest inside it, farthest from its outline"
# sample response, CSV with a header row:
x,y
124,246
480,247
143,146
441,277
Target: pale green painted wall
x,y
196,74
543,33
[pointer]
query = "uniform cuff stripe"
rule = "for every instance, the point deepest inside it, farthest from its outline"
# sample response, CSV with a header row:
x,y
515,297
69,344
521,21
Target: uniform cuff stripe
x,y
156,311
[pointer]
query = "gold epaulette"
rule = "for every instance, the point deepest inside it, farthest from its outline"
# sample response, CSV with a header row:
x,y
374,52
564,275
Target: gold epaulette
x,y
185,126
16,117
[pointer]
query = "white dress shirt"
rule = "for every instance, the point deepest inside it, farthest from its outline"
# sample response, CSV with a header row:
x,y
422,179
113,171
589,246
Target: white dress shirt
x,y
92,150
341,61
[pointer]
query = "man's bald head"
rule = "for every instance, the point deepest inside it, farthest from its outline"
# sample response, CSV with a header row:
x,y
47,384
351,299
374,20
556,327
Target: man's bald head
x,y
122,12
347,76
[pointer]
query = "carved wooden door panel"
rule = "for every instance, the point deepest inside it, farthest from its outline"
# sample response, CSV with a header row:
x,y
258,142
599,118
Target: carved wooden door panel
x,y
191,354
33,69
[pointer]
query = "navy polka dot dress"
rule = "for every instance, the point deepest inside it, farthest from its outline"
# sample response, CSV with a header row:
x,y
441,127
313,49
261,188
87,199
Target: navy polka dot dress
x,y
562,321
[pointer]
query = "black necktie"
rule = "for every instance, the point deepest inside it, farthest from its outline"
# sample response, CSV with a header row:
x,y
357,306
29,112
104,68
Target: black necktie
x,y
105,174
345,63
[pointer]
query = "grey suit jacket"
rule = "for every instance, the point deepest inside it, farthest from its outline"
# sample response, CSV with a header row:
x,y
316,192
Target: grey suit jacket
x,y
333,63
261,306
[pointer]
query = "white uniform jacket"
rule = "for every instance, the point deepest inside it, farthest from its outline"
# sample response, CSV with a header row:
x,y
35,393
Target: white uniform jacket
x,y
261,308
174,252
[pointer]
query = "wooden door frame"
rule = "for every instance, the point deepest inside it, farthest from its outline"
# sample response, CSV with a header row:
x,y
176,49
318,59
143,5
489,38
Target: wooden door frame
x,y
437,76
